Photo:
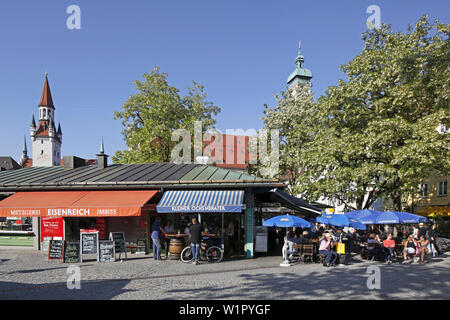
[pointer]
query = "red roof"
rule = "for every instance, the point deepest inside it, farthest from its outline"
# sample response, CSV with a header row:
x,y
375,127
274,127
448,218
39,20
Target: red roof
x,y
46,99
233,152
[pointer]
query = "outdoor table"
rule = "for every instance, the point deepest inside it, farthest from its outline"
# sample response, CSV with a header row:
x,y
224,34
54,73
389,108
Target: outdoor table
x,y
176,244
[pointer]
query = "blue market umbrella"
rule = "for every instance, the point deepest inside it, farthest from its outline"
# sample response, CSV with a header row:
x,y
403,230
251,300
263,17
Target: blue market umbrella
x,y
287,221
386,217
340,220
365,216
394,217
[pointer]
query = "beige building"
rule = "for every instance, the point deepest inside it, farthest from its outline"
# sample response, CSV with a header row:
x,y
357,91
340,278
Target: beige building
x,y
433,198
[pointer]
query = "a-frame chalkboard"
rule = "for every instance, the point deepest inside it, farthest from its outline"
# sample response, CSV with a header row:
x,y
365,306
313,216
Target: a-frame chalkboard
x,y
56,250
72,252
89,243
119,242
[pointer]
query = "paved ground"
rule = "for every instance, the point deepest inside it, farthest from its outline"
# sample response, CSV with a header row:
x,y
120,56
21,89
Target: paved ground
x,y
26,274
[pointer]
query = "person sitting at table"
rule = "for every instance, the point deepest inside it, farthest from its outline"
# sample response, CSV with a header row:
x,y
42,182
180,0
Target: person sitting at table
x,y
325,249
304,239
423,248
288,245
389,245
372,246
410,249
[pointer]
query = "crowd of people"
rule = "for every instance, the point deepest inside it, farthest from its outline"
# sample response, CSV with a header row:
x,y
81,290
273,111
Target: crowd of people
x,y
193,233
410,243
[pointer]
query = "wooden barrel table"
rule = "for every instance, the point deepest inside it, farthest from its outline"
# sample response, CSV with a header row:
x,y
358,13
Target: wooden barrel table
x,y
176,245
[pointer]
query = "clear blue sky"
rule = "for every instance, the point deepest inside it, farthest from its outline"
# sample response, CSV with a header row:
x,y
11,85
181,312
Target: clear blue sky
x,y
242,52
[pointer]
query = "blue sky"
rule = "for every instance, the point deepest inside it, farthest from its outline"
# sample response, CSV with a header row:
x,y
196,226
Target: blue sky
x,y
241,51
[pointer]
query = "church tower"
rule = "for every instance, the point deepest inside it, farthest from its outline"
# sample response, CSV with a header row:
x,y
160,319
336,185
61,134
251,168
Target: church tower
x,y
46,139
301,76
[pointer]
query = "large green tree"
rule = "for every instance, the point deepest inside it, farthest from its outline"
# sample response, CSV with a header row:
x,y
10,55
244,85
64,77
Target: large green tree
x,y
374,134
150,117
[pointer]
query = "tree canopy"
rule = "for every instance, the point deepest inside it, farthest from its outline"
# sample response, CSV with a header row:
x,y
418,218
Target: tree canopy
x,y
151,116
373,134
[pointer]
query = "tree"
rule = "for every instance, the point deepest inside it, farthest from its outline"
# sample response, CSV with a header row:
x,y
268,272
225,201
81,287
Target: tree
x,y
293,116
374,134
150,116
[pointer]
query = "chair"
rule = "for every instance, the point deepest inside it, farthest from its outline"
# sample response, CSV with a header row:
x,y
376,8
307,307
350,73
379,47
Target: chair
x,y
308,252
295,255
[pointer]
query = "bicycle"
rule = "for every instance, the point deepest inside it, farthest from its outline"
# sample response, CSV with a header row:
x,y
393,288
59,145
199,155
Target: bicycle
x,y
208,252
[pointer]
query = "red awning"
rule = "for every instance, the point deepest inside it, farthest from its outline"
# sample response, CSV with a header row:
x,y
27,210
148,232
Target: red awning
x,y
76,203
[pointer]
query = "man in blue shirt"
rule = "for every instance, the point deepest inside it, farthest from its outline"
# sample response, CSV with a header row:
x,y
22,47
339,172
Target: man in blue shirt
x,y
156,235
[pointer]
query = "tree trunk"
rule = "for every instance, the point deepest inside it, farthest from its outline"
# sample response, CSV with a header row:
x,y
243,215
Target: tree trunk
x,y
396,196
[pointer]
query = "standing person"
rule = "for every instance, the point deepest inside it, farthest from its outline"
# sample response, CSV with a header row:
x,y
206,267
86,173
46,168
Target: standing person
x,y
186,232
229,232
206,229
196,235
168,229
431,236
421,231
325,249
157,232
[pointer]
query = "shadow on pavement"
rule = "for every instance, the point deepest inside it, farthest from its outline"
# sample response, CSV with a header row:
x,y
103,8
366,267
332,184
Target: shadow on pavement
x,y
90,290
397,282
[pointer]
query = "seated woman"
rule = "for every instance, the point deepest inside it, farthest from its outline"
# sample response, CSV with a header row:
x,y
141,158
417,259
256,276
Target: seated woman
x,y
373,245
389,245
325,249
423,248
410,249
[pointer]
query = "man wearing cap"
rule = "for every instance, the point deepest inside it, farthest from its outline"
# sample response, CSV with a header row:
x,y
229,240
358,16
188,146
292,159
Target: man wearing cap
x,y
422,231
325,249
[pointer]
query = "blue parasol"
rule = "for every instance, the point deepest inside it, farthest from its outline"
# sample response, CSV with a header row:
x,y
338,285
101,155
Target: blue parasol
x,y
386,217
340,220
287,221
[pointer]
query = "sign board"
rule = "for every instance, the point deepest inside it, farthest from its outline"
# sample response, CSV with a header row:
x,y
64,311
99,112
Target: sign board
x,y
141,246
106,251
72,252
261,239
89,242
56,250
52,227
119,242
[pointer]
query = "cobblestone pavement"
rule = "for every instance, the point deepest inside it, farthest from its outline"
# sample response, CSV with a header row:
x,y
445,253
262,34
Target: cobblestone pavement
x,y
26,274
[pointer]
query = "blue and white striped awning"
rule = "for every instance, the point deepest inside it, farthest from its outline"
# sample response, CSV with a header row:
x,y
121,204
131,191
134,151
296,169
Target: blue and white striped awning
x,y
201,201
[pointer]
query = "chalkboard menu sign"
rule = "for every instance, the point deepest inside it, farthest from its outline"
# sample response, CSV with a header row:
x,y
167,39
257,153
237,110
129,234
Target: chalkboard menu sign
x,y
89,243
56,250
141,246
119,241
72,252
106,252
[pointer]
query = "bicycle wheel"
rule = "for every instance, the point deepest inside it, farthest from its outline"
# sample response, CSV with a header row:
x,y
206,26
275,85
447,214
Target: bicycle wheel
x,y
214,254
186,255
